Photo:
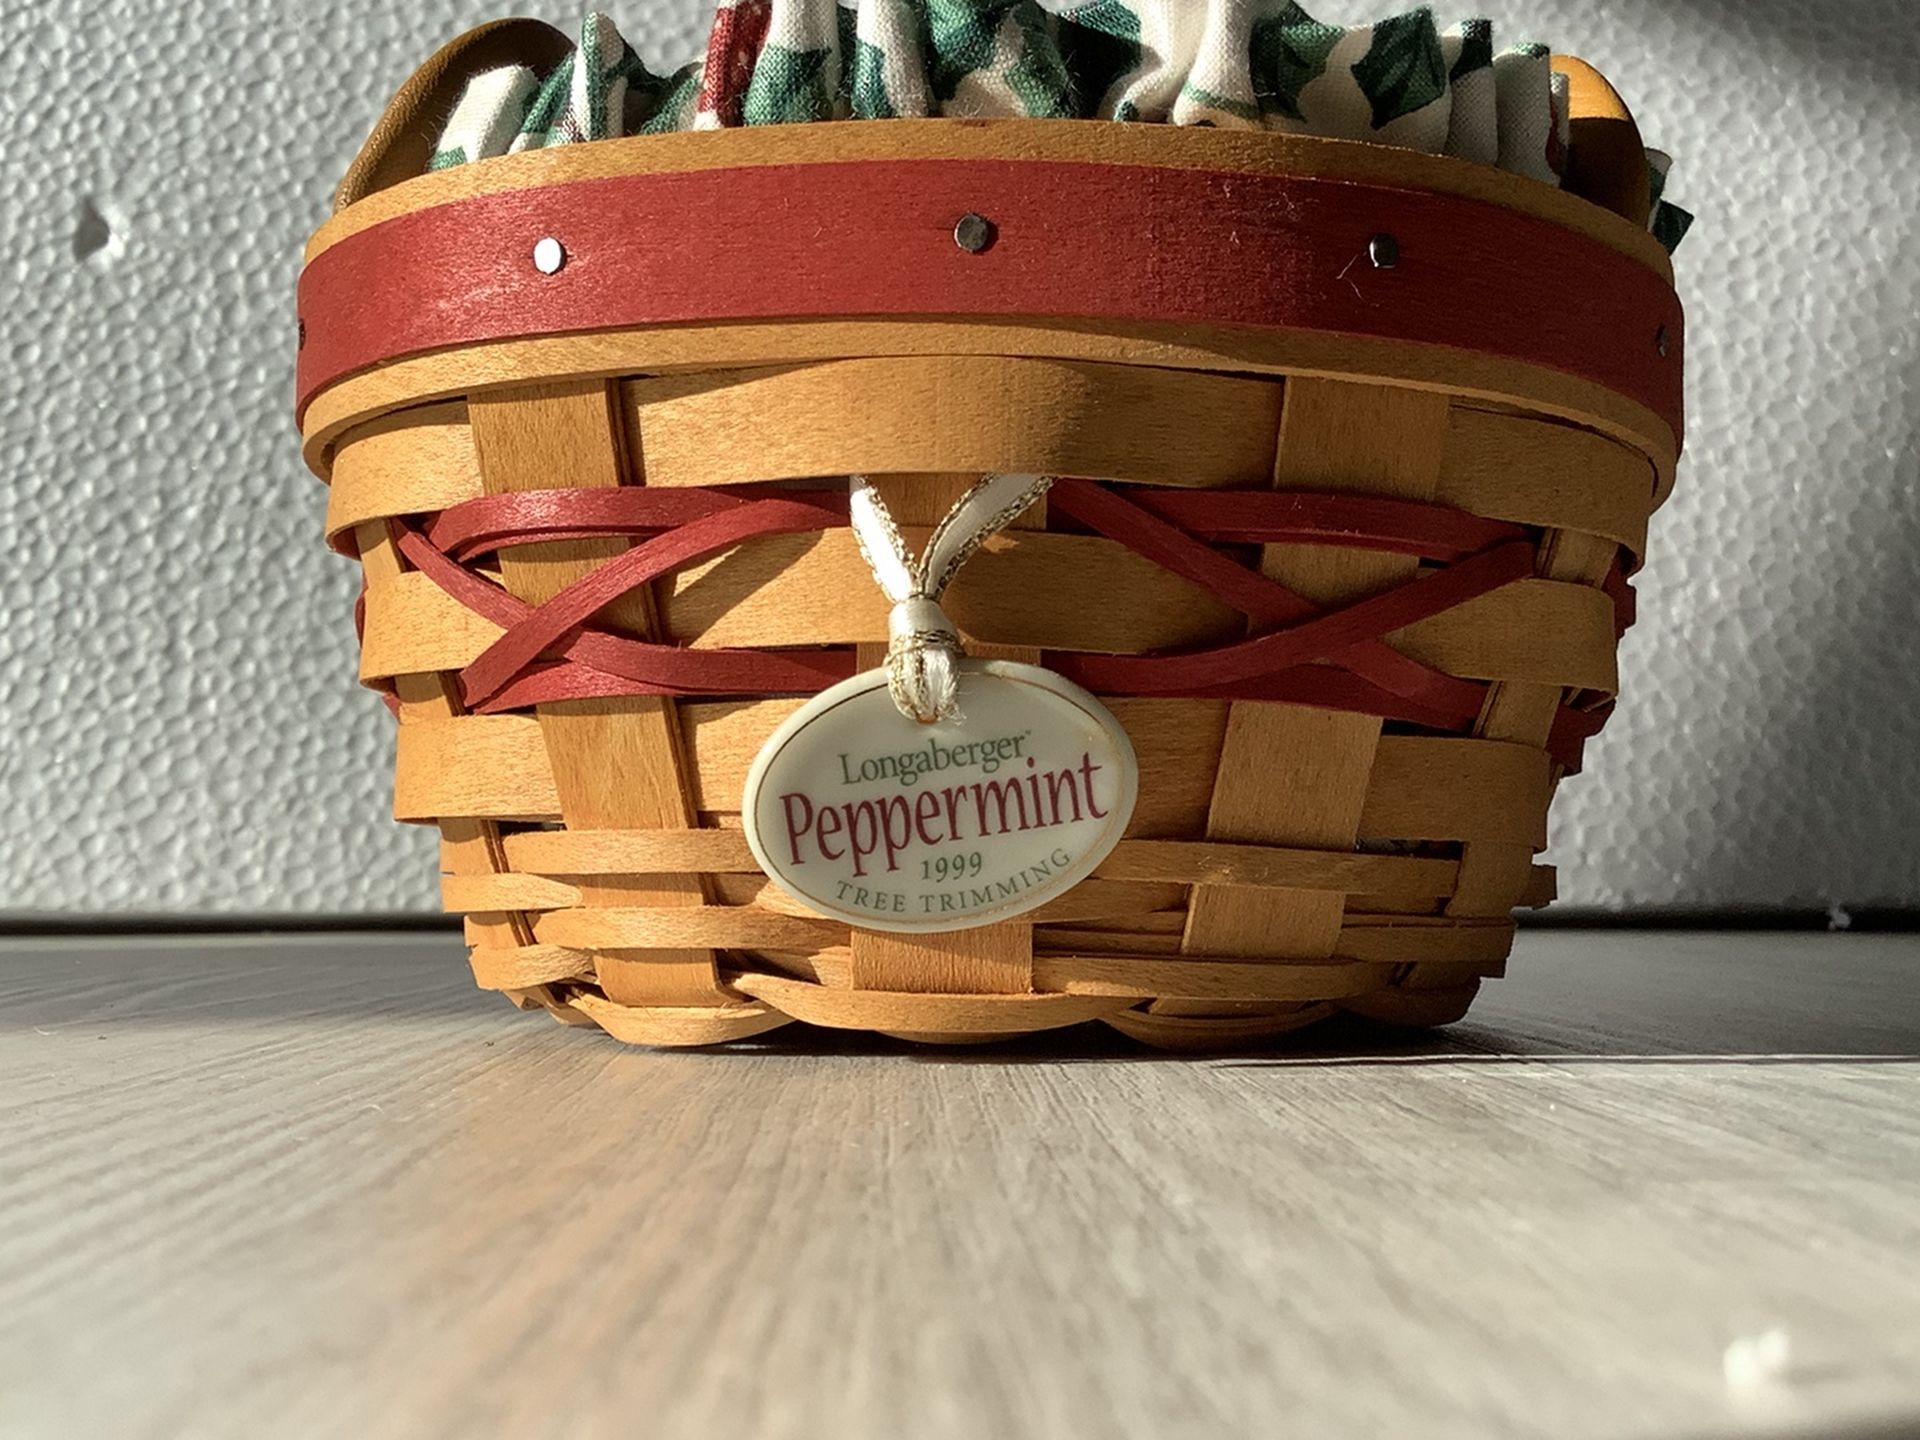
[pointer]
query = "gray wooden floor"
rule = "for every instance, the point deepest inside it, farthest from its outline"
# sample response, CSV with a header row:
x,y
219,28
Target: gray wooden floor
x,y
1659,1185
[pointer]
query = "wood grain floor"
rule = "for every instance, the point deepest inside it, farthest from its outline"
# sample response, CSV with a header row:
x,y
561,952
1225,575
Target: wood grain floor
x,y
1659,1185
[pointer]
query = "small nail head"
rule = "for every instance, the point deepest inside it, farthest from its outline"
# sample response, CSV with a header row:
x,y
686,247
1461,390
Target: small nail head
x,y
1662,341
549,255
973,233
1384,251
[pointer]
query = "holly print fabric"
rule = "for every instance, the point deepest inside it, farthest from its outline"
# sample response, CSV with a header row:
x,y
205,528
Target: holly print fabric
x,y
1239,64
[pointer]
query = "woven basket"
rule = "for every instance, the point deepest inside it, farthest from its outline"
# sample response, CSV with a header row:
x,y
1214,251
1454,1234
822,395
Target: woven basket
x,y
1406,414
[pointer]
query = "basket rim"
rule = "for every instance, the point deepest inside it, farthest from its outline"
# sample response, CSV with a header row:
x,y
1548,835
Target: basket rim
x,y
1095,141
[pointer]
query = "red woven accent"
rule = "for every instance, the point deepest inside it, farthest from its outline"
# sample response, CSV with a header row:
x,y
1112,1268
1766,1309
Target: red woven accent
x,y
1123,244
1404,527
1327,687
659,669
1307,655
494,522
1263,600
1328,636
1296,517
1573,727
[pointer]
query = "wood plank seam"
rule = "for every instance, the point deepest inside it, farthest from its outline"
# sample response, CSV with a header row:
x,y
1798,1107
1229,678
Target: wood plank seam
x,y
1289,774
616,763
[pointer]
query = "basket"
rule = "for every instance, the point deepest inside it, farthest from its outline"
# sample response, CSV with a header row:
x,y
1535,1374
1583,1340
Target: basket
x,y
1363,444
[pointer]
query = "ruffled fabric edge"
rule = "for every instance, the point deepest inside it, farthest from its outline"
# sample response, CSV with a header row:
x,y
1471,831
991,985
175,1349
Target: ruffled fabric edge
x,y
1231,64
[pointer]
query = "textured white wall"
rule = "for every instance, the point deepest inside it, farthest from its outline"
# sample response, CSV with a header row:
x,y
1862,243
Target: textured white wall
x,y
179,728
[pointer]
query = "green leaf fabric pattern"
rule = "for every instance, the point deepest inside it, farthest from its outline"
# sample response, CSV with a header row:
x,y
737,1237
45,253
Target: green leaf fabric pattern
x,y
1473,107
548,109
1403,70
664,104
789,86
1129,59
1472,50
1287,52
846,27
890,40
1242,64
1669,222
1038,75
1099,45
995,57
960,41
870,99
795,70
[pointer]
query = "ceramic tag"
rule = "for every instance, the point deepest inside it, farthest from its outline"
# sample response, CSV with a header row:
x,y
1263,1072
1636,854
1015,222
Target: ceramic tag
x,y
862,813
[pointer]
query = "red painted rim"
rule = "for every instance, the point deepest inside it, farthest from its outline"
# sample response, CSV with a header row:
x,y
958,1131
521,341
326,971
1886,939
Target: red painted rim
x,y
1069,240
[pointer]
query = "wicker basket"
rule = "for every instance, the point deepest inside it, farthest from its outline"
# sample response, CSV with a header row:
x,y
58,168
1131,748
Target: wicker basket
x,y
1410,412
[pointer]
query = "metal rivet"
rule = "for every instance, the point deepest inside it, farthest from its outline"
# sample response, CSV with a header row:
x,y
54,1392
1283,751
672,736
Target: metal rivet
x,y
1384,251
1661,341
974,233
549,255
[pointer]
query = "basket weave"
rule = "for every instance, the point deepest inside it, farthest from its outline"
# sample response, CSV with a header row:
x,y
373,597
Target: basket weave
x,y
1286,861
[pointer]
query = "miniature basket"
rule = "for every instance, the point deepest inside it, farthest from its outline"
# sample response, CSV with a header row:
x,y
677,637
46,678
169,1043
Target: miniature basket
x,y
1399,419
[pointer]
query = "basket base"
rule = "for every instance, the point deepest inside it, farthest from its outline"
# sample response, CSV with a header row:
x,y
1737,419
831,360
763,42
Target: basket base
x,y
771,1002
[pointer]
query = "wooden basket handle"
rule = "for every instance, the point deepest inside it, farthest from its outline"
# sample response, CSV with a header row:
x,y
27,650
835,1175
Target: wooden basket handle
x,y
402,140
1606,160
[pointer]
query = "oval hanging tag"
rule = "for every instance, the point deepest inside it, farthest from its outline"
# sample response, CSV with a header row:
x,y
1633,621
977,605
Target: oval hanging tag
x,y
864,814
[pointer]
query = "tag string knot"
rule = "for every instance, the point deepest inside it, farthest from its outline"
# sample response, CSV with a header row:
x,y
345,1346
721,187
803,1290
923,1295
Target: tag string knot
x,y
923,647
